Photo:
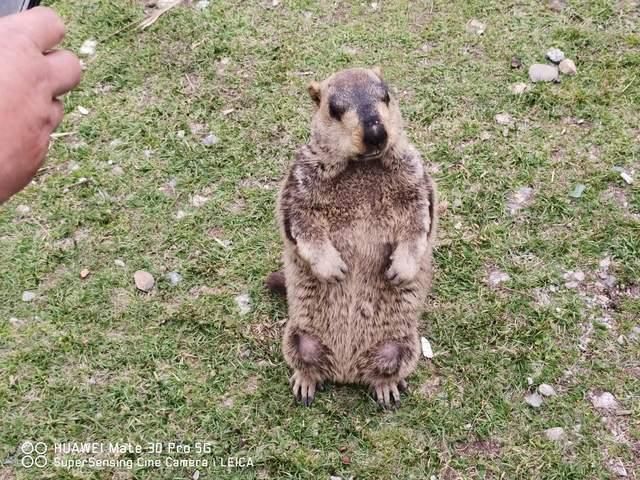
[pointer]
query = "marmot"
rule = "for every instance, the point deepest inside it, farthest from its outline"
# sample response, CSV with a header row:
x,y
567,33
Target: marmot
x,y
357,214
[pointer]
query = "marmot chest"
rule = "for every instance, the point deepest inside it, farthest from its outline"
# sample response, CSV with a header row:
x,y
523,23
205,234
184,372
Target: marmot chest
x,y
365,196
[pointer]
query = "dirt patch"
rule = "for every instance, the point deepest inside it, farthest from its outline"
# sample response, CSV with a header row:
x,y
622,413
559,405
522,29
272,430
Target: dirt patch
x,y
479,448
431,387
120,299
7,474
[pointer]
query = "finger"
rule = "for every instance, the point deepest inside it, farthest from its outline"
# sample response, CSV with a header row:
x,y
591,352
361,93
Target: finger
x,y
57,112
65,69
395,395
42,25
387,400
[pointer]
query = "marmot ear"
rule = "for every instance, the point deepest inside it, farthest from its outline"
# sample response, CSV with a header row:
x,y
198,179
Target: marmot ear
x,y
314,92
378,71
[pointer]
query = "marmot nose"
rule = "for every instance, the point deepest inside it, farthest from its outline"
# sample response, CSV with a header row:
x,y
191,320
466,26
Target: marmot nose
x,y
375,135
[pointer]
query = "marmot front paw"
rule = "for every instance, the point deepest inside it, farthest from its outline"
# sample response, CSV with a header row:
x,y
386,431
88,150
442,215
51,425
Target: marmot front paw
x,y
403,270
330,267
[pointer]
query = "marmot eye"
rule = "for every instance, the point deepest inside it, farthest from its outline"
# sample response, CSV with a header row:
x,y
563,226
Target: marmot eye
x,y
336,110
386,98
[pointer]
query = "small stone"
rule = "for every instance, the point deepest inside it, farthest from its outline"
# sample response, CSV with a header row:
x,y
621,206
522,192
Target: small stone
x,y
117,171
201,4
626,177
119,263
209,140
557,5
243,301
374,6
174,278
88,47
503,119
546,390
83,110
15,322
516,62
84,273
180,214
519,88
616,466
539,72
199,200
144,280
519,199
577,191
427,351
555,55
28,296
484,136
555,434
533,399
333,477
604,401
496,277
475,26
22,209
568,67
196,475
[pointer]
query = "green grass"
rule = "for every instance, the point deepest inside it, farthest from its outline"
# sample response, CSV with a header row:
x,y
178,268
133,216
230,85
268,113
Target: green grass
x,y
95,360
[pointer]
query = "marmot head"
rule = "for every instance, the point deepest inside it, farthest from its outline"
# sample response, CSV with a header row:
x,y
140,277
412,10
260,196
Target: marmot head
x,y
356,115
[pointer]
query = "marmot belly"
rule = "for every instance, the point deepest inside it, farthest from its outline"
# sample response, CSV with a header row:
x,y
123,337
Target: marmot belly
x,y
364,310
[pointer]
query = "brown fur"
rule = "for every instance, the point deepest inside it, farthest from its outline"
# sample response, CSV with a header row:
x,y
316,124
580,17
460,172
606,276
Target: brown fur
x,y
358,235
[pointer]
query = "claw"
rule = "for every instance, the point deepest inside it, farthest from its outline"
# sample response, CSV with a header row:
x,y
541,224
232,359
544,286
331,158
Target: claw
x,y
387,395
304,390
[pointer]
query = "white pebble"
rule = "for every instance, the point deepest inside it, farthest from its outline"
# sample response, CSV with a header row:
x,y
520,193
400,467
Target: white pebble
x,y
604,401
475,26
555,434
174,278
427,351
503,119
519,88
497,277
539,72
22,209
555,55
83,110
209,140
88,47
243,301
627,178
28,296
568,67
533,399
119,263
546,390
198,201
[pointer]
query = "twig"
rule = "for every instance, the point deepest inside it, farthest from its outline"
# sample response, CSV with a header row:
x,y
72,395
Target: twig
x,y
153,18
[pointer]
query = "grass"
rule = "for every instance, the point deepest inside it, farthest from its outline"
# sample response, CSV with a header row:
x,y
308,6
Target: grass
x,y
94,360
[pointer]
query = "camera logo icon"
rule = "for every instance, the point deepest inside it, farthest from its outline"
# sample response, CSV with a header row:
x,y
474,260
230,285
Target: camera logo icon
x,y
33,454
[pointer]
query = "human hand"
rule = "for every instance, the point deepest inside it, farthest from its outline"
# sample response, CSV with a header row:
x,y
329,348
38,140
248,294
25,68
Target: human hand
x,y
33,75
